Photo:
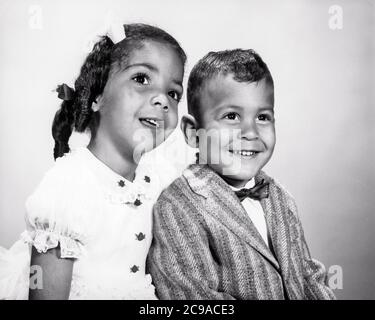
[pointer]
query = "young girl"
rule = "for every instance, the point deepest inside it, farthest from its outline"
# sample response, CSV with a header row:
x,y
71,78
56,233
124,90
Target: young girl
x,y
89,220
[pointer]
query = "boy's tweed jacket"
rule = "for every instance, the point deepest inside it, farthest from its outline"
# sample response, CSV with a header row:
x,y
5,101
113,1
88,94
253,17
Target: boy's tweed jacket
x,y
206,247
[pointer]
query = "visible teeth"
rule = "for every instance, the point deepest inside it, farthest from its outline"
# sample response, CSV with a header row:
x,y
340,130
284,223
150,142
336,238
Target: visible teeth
x,y
152,122
244,153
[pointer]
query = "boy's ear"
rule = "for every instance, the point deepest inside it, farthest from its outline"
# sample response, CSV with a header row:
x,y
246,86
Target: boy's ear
x,y
97,104
189,129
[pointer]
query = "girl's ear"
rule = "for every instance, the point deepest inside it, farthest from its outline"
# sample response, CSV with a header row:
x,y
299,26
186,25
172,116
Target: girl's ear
x,y
189,128
97,104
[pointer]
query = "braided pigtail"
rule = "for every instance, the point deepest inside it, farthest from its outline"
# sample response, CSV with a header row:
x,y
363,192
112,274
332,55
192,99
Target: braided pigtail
x,y
91,81
76,109
62,128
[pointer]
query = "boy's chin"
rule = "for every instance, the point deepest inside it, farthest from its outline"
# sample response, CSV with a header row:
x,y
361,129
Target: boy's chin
x,y
236,177
237,181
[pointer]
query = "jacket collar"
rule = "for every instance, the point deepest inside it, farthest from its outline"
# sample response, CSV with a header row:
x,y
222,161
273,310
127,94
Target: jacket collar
x,y
205,182
199,176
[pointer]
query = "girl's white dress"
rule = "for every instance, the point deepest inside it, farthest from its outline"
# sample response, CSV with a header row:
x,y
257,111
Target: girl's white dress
x,y
100,219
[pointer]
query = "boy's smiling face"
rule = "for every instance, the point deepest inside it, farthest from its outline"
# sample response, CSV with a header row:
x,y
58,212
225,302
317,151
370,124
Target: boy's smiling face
x,y
238,125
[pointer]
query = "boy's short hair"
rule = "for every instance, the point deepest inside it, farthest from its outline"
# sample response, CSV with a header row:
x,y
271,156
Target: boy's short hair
x,y
244,65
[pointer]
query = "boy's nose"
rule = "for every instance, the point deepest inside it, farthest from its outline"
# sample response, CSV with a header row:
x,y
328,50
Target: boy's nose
x,y
249,131
160,100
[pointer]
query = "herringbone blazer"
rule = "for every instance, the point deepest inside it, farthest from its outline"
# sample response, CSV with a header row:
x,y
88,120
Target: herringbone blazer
x,y
205,246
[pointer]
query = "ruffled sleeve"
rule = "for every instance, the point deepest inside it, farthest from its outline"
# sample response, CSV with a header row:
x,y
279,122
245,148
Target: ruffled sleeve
x,y
54,212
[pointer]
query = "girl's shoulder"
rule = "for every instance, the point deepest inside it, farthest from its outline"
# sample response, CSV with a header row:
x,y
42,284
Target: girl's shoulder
x,y
58,211
64,196
67,173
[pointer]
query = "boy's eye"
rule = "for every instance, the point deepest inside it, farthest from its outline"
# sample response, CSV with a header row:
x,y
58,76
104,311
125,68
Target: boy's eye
x,y
141,79
175,95
264,117
232,116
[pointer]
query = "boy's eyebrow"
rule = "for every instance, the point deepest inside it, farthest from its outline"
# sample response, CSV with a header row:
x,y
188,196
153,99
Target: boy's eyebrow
x,y
227,106
265,108
152,68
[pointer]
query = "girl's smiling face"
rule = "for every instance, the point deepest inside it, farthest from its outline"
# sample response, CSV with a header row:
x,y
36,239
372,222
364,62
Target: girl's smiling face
x,y
138,107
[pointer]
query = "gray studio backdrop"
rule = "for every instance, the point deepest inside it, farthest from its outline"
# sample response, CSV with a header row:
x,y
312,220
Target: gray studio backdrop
x,y
321,54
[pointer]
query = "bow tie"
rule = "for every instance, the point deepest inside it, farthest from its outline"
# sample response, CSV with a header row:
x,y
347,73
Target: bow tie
x,y
258,192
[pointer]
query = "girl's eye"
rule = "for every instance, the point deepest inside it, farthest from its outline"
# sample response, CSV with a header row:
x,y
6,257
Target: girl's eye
x,y
175,95
232,116
141,79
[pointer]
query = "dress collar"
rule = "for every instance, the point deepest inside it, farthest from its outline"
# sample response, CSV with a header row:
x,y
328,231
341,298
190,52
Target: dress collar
x,y
116,187
103,172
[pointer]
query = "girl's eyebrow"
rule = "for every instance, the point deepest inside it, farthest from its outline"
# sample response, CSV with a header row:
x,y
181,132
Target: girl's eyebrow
x,y
143,64
178,83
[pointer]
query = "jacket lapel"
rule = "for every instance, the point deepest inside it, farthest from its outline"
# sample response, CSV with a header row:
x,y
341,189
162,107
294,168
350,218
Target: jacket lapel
x,y
225,207
276,213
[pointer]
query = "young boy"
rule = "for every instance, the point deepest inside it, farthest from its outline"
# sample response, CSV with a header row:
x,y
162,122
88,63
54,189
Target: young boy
x,y
216,235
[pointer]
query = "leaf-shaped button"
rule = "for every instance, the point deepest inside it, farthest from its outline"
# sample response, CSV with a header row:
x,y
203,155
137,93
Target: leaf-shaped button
x,y
140,236
134,269
121,183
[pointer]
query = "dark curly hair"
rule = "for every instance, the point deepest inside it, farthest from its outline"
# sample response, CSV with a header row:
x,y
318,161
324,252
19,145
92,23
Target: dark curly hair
x,y
77,114
244,65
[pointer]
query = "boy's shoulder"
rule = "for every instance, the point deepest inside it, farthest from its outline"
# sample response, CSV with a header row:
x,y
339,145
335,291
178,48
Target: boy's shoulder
x,y
178,186
192,183
279,191
274,183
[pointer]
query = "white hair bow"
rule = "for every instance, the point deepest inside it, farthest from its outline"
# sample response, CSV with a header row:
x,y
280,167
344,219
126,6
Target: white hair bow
x,y
112,28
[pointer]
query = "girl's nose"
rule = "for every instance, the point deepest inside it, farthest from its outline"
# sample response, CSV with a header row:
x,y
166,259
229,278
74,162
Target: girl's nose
x,y
160,100
249,131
